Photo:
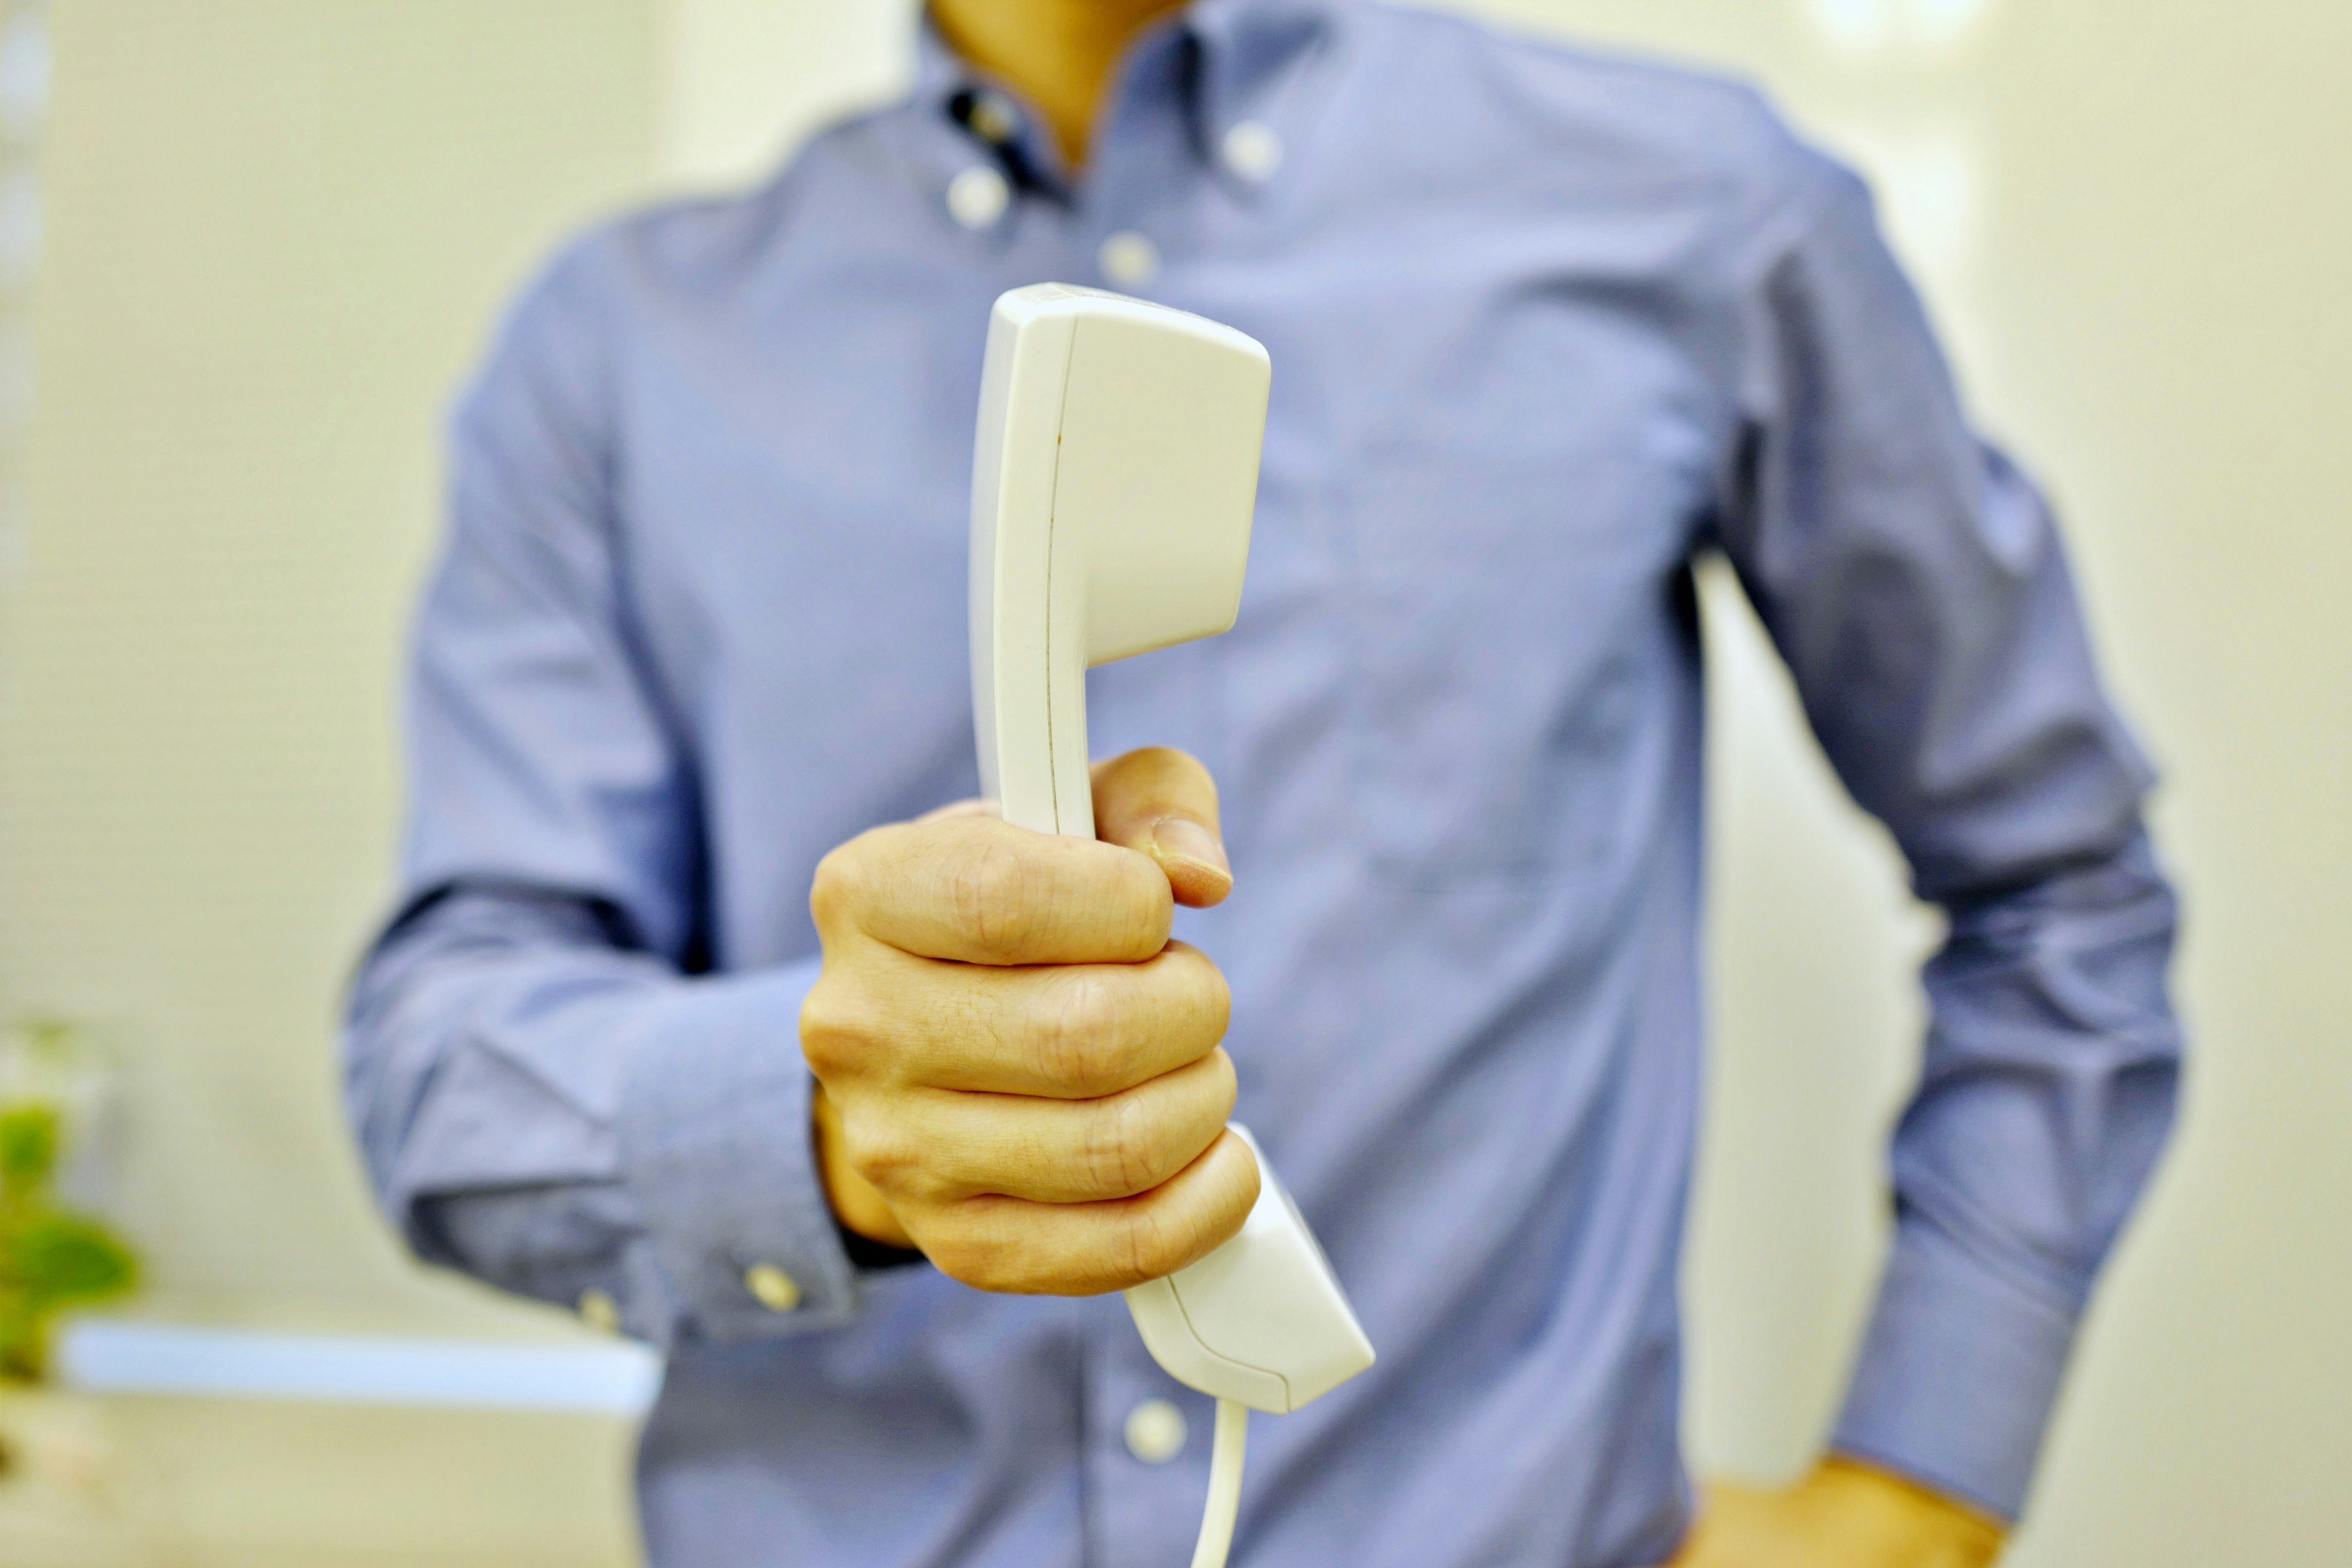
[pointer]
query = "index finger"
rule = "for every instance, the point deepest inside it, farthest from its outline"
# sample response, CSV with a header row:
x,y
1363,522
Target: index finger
x,y
975,889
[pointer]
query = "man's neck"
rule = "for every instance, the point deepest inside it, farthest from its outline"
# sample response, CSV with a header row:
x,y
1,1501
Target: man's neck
x,y
1059,54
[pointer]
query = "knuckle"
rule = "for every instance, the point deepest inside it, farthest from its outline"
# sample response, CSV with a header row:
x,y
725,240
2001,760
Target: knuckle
x,y
1161,1234
881,1154
1140,908
1118,1152
986,888
1078,1032
834,1028
840,888
1149,1245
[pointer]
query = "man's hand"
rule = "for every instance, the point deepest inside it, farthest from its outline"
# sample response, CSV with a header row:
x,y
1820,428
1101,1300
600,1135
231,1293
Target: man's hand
x,y
1018,1072
1845,1514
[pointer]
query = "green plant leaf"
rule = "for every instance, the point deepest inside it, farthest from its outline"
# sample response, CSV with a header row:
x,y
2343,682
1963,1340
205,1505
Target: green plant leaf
x,y
56,1259
28,1147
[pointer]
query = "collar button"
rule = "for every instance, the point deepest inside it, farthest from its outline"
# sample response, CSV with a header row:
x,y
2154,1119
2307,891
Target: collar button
x,y
994,119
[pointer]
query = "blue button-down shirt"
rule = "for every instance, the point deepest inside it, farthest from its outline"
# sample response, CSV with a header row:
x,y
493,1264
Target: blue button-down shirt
x,y
1545,328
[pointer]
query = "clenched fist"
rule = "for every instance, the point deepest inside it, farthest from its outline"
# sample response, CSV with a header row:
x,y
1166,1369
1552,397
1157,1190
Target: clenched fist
x,y
1018,1072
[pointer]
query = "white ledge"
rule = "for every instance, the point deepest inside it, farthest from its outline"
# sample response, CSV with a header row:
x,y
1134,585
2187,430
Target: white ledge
x,y
103,1356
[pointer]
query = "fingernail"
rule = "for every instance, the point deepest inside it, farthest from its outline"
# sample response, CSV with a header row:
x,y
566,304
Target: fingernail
x,y
1181,838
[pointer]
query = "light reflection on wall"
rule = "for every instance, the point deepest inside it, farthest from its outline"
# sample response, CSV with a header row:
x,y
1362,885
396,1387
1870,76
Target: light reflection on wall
x,y
1873,26
24,110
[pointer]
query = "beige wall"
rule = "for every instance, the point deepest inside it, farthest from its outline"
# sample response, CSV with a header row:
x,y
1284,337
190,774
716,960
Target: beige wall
x,y
279,227
738,81
277,230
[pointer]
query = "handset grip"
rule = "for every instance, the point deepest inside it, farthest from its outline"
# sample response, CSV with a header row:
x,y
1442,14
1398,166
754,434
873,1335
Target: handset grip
x,y
1262,1320
1113,483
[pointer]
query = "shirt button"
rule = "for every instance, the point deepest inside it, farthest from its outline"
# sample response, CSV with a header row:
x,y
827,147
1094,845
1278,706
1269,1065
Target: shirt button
x,y
772,1287
1155,1431
978,196
1253,151
1129,260
599,1312
993,118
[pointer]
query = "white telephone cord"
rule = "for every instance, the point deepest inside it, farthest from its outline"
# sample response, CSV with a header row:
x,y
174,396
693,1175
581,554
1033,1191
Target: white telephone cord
x,y
1224,1485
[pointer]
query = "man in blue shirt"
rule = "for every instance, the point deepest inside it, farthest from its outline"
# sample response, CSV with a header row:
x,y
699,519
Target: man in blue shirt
x,y
1545,328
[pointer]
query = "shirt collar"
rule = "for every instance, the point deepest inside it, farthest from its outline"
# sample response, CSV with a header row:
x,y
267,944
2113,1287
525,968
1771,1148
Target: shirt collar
x,y
1245,44
1248,43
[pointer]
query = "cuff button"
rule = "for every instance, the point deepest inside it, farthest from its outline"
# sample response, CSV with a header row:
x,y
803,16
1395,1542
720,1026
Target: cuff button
x,y
772,1287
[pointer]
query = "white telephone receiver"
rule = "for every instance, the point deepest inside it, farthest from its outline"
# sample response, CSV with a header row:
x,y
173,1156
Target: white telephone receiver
x,y
1112,489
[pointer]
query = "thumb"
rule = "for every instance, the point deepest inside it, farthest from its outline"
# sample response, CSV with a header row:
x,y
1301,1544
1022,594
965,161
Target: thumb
x,y
1163,804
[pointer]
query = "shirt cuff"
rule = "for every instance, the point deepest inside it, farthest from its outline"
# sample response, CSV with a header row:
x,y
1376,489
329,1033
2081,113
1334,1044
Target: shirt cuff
x,y
714,1145
1957,1374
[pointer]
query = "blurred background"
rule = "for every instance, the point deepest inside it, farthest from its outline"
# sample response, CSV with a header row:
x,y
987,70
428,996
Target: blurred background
x,y
247,249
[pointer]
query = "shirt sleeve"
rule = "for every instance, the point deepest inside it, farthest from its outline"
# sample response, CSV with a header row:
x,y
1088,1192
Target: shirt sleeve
x,y
544,1094
1914,582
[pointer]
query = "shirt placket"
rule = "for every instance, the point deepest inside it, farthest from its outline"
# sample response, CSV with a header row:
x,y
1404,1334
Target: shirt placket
x,y
1147,1454
1147,1436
